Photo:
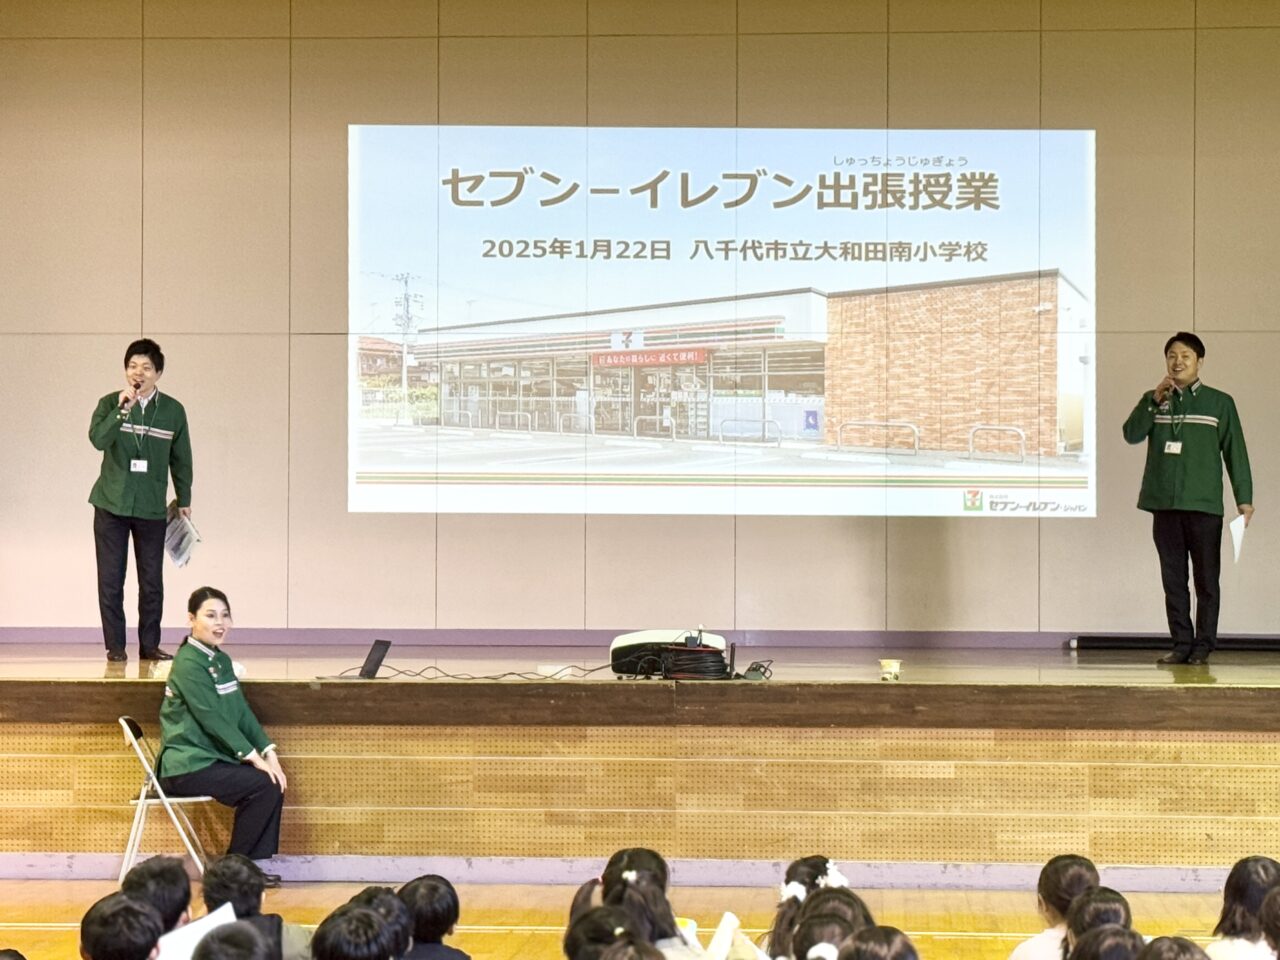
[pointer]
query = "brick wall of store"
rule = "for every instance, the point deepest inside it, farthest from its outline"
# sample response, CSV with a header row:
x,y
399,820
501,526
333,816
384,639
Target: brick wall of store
x,y
946,357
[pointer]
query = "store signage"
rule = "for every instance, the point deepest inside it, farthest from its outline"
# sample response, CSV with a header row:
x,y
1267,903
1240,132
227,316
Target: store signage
x,y
648,358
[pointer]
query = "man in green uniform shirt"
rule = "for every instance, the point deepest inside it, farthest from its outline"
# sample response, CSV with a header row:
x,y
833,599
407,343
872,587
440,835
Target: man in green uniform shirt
x,y
1190,430
143,438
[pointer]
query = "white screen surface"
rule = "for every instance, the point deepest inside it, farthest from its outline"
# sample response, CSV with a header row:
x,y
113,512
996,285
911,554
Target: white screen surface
x,y
721,321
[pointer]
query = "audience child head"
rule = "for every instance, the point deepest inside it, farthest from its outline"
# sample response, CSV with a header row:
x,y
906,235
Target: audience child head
x,y
1247,886
802,878
840,901
433,906
234,879
634,879
1172,948
353,933
1110,942
232,941
632,951
1063,879
595,930
384,902
163,883
878,943
1269,918
1099,907
118,927
818,937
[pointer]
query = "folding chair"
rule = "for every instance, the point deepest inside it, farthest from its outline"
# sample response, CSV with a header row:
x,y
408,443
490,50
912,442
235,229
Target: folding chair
x,y
151,794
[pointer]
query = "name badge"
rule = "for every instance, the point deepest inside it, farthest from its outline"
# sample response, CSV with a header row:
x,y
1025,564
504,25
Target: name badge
x,y
1170,446
140,466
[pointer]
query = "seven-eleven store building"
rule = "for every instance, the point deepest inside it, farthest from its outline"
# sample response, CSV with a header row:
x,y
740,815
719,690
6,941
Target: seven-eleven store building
x,y
690,370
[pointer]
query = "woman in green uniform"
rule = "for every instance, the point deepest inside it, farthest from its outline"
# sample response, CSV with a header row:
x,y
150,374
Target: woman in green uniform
x,y
212,743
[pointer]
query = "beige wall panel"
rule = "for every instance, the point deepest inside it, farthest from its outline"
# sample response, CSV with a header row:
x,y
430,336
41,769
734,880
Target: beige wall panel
x,y
662,81
810,573
70,192
215,18
658,572
1101,573
70,18
336,82
812,16
961,573
509,571
215,180
825,80
1244,366
501,18
661,16
1237,210
1136,88
1117,14
955,81
369,18
958,16
529,81
1237,13
345,569
237,401
47,571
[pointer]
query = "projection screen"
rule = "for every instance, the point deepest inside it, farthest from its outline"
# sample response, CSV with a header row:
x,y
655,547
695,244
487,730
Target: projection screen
x,y
721,321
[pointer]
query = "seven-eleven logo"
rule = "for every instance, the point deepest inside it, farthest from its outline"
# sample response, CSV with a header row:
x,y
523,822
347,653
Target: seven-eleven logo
x,y
973,499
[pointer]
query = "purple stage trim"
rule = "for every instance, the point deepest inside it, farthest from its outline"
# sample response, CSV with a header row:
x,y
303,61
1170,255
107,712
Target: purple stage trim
x,y
331,636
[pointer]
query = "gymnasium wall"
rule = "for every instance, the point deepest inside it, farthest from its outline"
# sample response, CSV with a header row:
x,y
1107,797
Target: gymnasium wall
x,y
177,169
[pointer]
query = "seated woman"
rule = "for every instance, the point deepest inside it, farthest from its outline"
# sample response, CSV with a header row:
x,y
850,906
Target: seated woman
x,y
211,742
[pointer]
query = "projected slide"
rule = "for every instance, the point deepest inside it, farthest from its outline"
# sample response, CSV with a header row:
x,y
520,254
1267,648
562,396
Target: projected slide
x,y
721,321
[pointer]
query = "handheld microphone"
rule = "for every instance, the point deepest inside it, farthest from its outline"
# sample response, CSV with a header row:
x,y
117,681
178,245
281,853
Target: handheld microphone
x,y
127,402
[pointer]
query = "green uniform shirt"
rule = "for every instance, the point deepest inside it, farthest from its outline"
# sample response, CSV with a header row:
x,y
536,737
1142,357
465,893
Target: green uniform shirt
x,y
157,435
1204,421
205,717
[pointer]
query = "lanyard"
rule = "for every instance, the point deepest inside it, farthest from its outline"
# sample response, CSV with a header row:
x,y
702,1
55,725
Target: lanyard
x,y
154,404
1175,423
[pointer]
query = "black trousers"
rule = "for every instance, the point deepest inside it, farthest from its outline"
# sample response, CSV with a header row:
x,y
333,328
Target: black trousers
x,y
111,538
1183,535
257,802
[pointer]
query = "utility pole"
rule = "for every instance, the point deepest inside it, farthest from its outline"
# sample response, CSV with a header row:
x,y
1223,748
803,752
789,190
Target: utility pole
x,y
405,321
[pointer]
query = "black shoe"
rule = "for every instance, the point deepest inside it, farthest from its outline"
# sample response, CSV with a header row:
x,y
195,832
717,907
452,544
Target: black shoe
x,y
1175,658
156,654
117,656
1198,660
271,880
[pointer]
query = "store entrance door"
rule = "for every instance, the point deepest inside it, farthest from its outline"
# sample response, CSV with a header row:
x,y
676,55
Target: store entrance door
x,y
653,402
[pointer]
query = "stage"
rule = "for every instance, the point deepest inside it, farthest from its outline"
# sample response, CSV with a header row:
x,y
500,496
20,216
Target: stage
x,y
971,771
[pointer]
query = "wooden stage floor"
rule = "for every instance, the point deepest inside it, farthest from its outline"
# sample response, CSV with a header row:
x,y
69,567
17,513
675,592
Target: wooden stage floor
x,y
41,918
987,665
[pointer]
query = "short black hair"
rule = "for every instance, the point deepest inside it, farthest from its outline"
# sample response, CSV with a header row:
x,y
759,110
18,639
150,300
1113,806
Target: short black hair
x,y
118,927
384,902
163,883
232,941
145,348
8,953
1190,339
353,933
433,905
234,879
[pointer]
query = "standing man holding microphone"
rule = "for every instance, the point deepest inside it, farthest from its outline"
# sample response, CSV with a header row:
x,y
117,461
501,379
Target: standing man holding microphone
x,y
143,438
1191,430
